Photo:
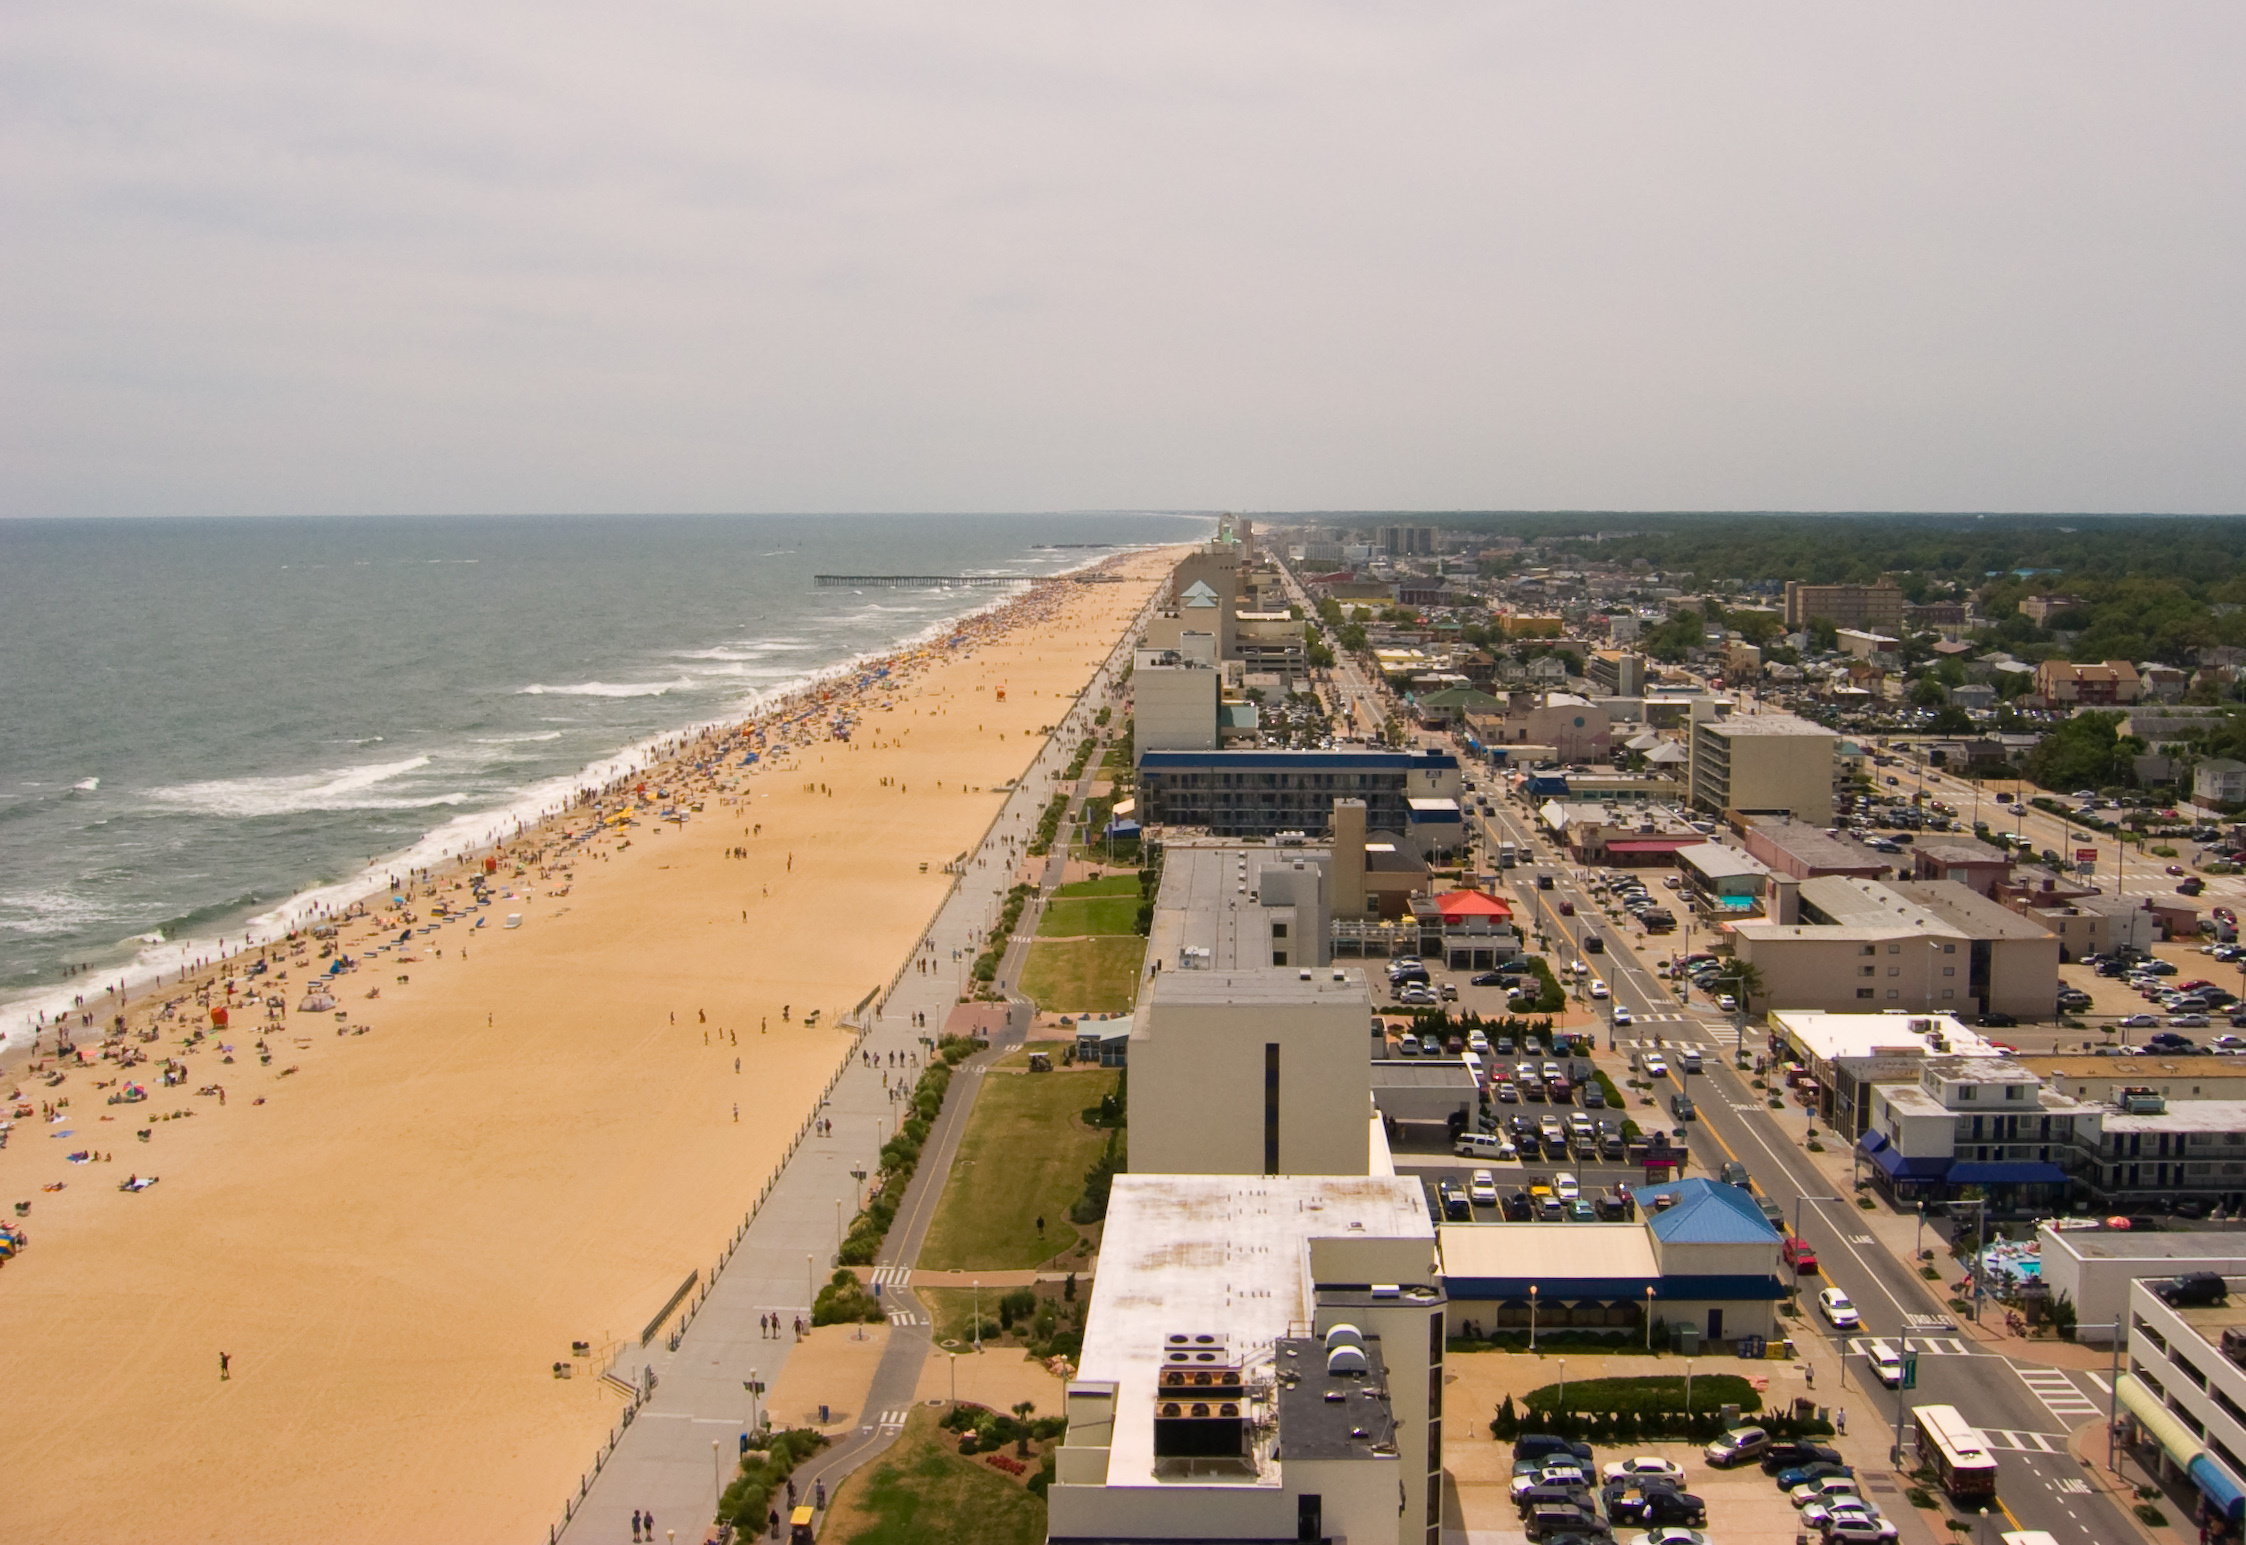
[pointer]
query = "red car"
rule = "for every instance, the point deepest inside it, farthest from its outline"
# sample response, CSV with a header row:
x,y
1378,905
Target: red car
x,y
1798,1255
1567,909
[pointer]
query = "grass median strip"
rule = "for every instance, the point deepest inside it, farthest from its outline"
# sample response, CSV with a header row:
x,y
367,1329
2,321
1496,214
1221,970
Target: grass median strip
x,y
1084,976
1022,1157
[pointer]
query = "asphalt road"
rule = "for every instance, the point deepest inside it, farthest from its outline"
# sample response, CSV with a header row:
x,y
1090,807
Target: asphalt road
x,y
2025,1410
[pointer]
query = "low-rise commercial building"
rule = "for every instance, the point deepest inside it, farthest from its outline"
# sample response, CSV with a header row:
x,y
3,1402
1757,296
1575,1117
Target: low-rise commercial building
x,y
1842,1056
1708,1258
1801,851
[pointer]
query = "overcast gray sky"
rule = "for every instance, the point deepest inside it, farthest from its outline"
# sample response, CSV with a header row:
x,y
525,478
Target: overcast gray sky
x,y
259,256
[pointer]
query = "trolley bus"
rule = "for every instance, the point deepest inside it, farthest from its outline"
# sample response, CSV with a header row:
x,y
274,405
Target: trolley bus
x,y
1957,1451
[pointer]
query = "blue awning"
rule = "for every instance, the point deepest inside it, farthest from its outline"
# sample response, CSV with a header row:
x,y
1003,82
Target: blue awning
x,y
1896,1167
2010,1172
2219,1487
1872,1141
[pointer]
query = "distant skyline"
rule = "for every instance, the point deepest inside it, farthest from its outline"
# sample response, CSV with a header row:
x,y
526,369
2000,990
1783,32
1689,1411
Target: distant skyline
x,y
266,258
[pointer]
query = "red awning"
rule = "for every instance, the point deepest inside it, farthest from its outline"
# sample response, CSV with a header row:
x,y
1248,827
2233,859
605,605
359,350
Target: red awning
x,y
1654,844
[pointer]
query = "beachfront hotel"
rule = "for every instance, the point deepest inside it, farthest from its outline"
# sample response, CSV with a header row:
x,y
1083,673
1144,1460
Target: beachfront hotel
x,y
1263,1362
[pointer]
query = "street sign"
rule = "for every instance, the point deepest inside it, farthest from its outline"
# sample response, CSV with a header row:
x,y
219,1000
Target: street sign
x,y
1910,1371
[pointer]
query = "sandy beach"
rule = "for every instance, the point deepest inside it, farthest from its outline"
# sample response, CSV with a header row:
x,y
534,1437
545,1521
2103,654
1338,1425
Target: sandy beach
x,y
394,1235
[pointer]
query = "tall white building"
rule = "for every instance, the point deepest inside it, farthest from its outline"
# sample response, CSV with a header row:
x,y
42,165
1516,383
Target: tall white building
x,y
1253,1071
1263,1361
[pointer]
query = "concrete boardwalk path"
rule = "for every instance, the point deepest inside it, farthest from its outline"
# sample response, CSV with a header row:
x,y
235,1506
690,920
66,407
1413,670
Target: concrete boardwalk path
x,y
664,1462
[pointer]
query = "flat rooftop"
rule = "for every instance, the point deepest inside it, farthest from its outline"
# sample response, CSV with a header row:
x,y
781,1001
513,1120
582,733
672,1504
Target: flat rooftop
x,y
1257,984
1813,847
1313,1424
1828,1037
2184,1116
1556,1252
1209,901
1222,1254
1765,724
2111,1244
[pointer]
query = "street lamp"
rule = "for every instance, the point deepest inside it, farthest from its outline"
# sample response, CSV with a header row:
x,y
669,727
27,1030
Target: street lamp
x,y
1563,1386
1649,1317
1796,1284
978,1315
1688,1393
717,1468
1532,1316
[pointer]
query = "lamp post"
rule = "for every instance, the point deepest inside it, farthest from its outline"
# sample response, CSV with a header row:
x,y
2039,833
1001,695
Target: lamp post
x,y
1688,1394
1532,1316
978,1315
1794,1283
1649,1318
755,1386
717,1469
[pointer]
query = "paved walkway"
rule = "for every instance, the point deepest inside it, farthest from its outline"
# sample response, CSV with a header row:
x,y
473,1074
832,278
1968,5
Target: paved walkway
x,y
665,1462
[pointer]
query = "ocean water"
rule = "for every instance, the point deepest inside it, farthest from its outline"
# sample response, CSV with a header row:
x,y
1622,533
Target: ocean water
x,y
205,718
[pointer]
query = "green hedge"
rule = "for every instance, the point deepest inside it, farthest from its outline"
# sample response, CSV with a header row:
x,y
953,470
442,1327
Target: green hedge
x,y
746,1503
900,1156
1619,1416
986,964
1653,1392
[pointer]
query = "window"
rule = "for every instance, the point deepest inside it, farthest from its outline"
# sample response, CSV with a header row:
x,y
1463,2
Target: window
x,y
1949,949
1966,1092
2014,1091
1895,949
1278,930
1892,993
1949,970
1867,950
1863,992
1894,970
1866,970
1949,992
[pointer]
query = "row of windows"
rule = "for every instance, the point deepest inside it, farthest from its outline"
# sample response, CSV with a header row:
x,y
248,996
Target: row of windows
x,y
1892,993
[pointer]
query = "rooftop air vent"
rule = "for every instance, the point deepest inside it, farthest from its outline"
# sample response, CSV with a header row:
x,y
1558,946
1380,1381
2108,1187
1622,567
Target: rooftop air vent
x,y
1344,1335
1344,1360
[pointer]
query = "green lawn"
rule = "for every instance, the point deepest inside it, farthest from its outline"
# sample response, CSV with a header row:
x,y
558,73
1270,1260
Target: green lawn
x,y
922,1492
1093,915
1023,1157
1106,885
1084,976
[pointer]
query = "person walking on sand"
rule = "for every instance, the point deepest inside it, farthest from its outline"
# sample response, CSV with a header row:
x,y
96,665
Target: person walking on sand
x,y
225,1365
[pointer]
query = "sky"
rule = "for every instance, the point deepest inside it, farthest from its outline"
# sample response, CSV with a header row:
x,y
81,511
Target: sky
x,y
264,257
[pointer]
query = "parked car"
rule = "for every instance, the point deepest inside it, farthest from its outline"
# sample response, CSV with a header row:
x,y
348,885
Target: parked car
x,y
1853,1528
1822,1489
1640,1467
1657,1505
1815,1470
1796,1451
1737,1446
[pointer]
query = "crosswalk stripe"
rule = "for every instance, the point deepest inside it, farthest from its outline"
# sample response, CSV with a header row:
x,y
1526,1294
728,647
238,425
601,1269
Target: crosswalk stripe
x,y
892,1420
892,1274
2057,1392
2026,1442
905,1317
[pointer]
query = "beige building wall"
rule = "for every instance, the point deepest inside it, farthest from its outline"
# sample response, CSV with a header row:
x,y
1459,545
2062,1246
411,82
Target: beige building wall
x,y
1201,1045
1838,970
1174,707
1741,764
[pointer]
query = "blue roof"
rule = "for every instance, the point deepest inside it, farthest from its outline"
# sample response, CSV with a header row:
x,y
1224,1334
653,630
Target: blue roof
x,y
1377,761
1706,1212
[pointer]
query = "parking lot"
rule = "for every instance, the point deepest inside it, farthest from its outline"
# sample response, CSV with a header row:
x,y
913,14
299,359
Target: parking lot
x,y
1744,1505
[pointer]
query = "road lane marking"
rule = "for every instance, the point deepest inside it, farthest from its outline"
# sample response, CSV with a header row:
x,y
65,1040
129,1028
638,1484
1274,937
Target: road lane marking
x,y
2057,1392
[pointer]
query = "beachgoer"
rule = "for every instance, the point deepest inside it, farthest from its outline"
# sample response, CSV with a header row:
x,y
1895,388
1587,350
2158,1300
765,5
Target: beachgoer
x,y
225,1363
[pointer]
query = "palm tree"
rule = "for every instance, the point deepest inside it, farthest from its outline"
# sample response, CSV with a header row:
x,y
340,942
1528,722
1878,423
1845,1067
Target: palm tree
x,y
1022,1410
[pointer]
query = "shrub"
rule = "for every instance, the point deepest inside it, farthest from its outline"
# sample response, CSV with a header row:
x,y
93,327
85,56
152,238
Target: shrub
x,y
845,1301
745,1502
1017,1305
2150,1516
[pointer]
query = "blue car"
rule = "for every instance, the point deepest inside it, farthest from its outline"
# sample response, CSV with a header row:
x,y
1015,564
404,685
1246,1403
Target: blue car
x,y
1802,1475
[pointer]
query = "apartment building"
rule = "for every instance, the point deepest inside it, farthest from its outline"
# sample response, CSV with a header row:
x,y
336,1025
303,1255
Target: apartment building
x,y
1925,947
1616,672
1982,1122
1263,793
2063,684
1763,764
1174,696
1877,606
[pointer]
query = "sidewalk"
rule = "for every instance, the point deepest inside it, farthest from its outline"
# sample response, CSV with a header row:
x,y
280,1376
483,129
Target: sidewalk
x,y
681,1444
